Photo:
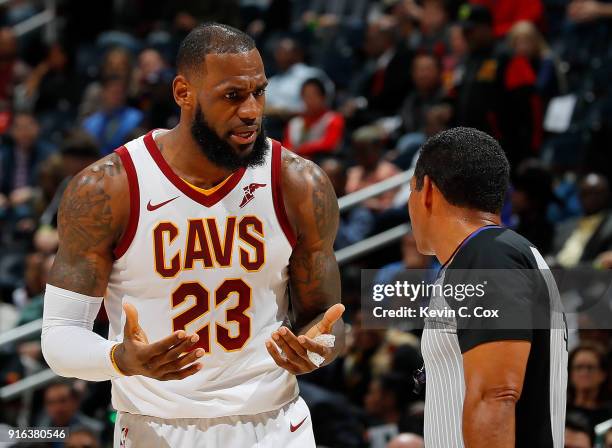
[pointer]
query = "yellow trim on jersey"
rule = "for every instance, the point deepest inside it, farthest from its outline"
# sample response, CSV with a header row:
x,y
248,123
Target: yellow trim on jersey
x,y
208,191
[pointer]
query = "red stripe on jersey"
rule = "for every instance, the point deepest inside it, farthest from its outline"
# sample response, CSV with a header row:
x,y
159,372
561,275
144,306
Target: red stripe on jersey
x,y
204,199
277,194
130,231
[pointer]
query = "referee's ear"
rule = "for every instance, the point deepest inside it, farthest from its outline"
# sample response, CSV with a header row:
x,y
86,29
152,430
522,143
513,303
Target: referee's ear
x,y
427,193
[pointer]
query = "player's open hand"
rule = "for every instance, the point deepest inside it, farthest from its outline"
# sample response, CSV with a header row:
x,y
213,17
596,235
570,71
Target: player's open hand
x,y
167,359
294,357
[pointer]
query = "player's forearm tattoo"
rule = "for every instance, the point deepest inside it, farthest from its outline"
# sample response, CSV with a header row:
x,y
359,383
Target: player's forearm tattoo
x,y
85,220
314,274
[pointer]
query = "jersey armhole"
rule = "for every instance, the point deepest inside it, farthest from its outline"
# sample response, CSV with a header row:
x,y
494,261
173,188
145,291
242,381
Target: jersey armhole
x,y
277,194
130,231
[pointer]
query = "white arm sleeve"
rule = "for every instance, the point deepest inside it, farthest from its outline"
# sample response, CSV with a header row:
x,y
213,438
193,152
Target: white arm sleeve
x,y
68,343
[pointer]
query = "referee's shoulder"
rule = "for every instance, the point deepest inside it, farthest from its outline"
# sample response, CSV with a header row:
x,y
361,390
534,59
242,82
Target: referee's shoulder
x,y
500,249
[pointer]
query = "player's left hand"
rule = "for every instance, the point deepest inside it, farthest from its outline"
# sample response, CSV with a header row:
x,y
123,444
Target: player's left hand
x,y
294,356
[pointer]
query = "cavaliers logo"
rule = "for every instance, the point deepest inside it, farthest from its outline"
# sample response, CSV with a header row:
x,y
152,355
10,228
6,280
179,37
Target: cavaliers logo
x,y
249,193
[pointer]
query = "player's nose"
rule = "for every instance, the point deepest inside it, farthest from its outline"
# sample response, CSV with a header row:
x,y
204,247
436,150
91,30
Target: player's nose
x,y
250,110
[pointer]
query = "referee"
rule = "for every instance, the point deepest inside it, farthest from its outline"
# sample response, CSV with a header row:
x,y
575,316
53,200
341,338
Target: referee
x,y
491,382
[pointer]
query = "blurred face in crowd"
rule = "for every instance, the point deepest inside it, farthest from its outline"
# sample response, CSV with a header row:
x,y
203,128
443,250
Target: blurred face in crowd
x,y
60,404
425,73
367,153
286,54
24,131
524,40
594,193
478,36
378,402
457,42
407,441
8,46
117,63
57,58
434,16
576,439
586,373
113,95
314,99
379,37
81,439
150,63
337,175
226,104
437,119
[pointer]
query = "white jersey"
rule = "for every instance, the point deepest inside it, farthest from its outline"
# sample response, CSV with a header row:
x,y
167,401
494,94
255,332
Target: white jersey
x,y
215,263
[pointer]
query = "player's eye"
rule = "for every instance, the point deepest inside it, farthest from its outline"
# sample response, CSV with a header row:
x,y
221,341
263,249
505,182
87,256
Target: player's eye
x,y
260,92
231,95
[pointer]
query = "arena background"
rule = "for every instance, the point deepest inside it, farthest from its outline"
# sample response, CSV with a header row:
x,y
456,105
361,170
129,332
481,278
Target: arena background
x,y
79,78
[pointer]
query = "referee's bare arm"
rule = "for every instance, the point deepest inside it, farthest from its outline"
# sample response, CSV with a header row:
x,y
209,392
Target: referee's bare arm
x,y
494,374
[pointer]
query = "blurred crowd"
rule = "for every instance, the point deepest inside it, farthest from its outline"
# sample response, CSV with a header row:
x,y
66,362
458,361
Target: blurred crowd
x,y
356,86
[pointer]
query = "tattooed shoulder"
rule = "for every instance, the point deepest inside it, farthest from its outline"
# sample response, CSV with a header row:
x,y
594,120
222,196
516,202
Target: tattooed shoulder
x,y
86,211
305,183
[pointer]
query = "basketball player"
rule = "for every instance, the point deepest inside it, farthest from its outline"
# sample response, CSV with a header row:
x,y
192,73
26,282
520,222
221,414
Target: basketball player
x,y
498,381
193,237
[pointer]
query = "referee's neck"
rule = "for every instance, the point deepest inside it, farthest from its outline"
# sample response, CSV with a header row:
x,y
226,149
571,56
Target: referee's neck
x,y
457,228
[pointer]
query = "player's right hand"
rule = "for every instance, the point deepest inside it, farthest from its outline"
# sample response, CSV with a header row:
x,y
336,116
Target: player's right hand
x,y
167,359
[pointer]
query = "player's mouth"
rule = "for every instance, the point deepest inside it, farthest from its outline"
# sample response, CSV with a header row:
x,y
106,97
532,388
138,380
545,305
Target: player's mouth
x,y
244,137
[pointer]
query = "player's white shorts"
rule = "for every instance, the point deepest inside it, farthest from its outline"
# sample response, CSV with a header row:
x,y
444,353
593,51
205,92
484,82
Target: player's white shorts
x,y
287,427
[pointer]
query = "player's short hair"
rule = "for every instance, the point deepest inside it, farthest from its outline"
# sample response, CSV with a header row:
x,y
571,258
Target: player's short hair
x,y
468,166
211,38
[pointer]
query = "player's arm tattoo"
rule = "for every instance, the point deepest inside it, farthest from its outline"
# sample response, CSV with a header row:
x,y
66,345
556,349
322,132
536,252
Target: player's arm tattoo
x,y
312,207
89,223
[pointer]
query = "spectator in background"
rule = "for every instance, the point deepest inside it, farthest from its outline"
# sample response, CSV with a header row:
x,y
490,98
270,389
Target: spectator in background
x,y
385,403
587,393
496,94
32,285
581,240
434,18
607,439
116,120
371,168
426,77
283,92
20,158
82,438
355,224
61,408
117,63
407,440
508,12
153,82
532,193
589,10
318,130
457,50
382,86
525,40
578,433
12,70
53,90
78,150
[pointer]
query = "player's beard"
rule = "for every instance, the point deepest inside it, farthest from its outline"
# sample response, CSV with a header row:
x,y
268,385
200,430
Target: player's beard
x,y
221,153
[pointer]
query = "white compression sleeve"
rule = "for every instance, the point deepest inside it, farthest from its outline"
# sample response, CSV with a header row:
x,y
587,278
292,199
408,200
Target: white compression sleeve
x,y
69,345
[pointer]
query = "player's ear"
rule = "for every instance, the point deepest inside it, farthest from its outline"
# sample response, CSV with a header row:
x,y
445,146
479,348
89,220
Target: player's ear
x,y
183,92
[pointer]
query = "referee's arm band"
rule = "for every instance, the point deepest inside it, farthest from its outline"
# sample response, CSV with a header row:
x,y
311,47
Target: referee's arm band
x,y
68,343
